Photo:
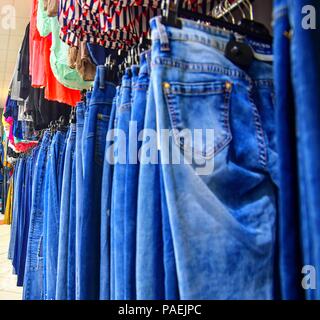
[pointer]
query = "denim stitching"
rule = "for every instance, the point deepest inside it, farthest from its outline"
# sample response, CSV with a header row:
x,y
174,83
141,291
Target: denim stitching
x,y
259,133
201,67
170,99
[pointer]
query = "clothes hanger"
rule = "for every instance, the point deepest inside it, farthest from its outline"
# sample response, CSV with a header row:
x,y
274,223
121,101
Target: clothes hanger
x,y
174,10
239,53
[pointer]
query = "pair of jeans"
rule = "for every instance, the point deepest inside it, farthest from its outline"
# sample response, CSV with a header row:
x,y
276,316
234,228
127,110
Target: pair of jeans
x,y
82,124
106,195
27,210
94,141
289,225
298,118
81,109
51,229
119,185
150,277
18,214
15,212
140,84
118,98
221,198
66,252
33,280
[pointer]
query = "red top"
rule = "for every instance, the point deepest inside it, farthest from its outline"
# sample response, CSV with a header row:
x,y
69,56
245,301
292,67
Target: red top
x,y
36,48
54,89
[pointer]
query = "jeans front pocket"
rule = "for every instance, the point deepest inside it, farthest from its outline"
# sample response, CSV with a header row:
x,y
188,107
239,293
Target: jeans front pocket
x,y
196,108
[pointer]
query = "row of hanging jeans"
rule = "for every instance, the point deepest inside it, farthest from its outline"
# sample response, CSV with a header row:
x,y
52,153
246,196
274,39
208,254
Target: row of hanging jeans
x,y
106,224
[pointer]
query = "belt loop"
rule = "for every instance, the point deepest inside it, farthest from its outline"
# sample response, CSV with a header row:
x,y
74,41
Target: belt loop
x,y
101,77
164,40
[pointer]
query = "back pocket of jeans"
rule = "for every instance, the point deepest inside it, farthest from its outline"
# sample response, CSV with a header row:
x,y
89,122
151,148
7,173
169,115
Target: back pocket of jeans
x,y
197,108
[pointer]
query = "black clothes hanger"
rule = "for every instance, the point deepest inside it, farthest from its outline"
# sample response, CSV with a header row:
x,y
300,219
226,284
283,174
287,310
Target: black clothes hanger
x,y
237,52
252,29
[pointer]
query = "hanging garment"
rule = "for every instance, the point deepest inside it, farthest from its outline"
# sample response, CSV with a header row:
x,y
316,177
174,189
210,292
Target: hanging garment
x,y
94,140
36,67
297,78
66,264
33,288
53,190
59,52
223,223
54,90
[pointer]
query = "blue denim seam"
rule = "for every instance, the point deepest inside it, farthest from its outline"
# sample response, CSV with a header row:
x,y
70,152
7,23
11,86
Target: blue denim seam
x,y
225,123
202,67
263,154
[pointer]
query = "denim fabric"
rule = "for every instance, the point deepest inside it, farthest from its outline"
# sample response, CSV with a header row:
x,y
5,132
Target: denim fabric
x,y
289,225
65,289
81,143
171,286
119,189
27,209
15,212
140,84
19,214
112,217
106,194
89,220
71,284
45,217
51,233
223,244
79,177
85,127
33,281
305,76
150,269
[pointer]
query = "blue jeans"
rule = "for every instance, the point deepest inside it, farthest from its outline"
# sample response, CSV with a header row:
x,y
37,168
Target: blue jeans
x,y
118,99
66,253
150,278
15,212
33,280
18,214
81,109
26,207
51,231
119,189
140,86
289,225
106,194
94,138
221,217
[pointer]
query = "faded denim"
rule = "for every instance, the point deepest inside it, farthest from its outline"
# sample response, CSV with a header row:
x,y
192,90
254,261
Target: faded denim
x,y
222,223
33,280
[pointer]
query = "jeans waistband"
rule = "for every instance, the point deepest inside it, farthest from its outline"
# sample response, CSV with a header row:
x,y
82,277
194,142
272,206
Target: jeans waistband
x,y
168,43
46,140
103,91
